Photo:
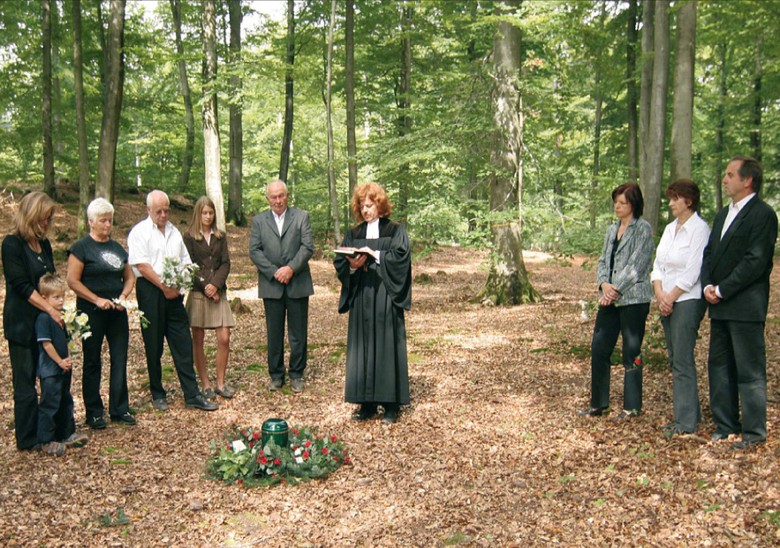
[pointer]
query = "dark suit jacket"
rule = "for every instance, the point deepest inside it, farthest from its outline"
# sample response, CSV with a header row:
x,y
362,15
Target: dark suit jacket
x,y
741,262
213,261
293,248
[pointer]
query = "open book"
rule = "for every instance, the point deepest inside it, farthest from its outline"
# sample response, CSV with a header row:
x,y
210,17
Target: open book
x,y
354,251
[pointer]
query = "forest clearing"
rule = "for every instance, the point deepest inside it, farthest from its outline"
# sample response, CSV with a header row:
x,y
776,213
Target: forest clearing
x,y
490,452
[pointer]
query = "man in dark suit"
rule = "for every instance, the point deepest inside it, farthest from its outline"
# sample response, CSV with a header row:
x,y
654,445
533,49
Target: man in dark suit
x,y
281,245
735,275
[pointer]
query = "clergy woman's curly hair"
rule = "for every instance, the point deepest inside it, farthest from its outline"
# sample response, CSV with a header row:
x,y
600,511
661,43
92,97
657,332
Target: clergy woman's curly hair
x,y
378,196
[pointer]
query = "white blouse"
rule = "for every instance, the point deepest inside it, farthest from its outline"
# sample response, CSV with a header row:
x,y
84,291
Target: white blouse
x,y
679,255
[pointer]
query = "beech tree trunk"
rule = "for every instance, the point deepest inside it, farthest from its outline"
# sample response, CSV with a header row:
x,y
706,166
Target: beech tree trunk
x,y
652,171
755,133
403,101
211,151
507,282
720,127
334,201
85,190
284,162
646,82
112,101
598,95
184,86
349,92
632,93
46,108
682,103
235,210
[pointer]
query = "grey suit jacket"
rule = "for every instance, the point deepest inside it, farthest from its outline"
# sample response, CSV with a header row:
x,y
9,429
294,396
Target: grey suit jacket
x,y
633,260
270,251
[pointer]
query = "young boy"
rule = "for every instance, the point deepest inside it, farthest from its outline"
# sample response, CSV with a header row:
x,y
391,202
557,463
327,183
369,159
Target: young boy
x,y
55,410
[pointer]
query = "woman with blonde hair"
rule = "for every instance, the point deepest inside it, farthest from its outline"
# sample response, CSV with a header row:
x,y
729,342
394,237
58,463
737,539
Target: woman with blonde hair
x,y
207,304
27,256
376,289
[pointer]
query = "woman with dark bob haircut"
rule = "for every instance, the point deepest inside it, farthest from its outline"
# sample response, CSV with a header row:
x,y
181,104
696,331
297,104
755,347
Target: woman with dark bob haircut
x,y
376,289
676,279
624,302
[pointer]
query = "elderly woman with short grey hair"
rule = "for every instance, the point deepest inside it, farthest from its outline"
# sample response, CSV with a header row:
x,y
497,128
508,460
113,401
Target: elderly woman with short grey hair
x,y
98,273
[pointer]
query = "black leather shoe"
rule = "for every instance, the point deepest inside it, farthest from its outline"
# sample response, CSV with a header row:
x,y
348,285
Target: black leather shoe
x,y
391,414
745,444
126,418
96,423
366,412
275,384
593,412
199,402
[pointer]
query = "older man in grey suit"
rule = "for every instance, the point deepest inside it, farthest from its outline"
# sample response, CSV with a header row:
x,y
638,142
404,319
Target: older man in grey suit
x,y
281,245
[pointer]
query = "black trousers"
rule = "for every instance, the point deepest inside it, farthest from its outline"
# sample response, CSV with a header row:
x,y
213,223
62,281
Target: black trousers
x,y
297,313
24,360
112,326
611,321
167,320
55,412
737,374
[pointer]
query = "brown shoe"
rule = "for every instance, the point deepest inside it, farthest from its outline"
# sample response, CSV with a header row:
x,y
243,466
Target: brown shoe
x,y
76,440
53,448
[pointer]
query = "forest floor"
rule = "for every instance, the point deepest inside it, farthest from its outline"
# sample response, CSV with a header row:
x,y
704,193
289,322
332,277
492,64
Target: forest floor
x,y
489,453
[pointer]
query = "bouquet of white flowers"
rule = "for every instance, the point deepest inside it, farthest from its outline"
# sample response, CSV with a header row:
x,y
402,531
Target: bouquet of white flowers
x,y
134,314
176,274
76,325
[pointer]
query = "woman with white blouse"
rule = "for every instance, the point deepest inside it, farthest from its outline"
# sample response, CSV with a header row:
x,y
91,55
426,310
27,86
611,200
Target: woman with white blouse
x,y
676,279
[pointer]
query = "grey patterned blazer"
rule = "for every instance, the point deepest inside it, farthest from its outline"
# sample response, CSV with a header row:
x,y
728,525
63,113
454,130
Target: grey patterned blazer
x,y
633,262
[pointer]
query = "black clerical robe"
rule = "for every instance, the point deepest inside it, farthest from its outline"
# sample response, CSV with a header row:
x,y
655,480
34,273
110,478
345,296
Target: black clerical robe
x,y
376,298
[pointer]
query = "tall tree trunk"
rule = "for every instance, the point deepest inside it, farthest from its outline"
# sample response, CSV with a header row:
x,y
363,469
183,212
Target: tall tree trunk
x,y
599,97
631,92
48,148
284,161
112,103
755,133
211,151
404,104
682,103
507,282
720,126
56,88
652,175
85,190
235,211
646,82
184,85
334,201
349,91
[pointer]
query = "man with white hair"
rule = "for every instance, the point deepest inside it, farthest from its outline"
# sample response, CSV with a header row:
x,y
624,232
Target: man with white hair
x,y
280,246
149,243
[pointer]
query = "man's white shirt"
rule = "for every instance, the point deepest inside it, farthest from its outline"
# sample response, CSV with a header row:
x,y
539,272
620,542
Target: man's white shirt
x,y
147,244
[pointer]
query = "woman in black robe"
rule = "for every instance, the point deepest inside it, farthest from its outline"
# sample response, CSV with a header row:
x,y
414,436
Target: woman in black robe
x,y
375,269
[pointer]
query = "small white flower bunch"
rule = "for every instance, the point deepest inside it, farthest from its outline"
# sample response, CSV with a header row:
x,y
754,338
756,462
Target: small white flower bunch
x,y
176,274
134,314
76,325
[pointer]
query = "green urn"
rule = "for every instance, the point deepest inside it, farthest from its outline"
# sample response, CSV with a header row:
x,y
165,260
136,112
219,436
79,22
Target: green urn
x,y
275,429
